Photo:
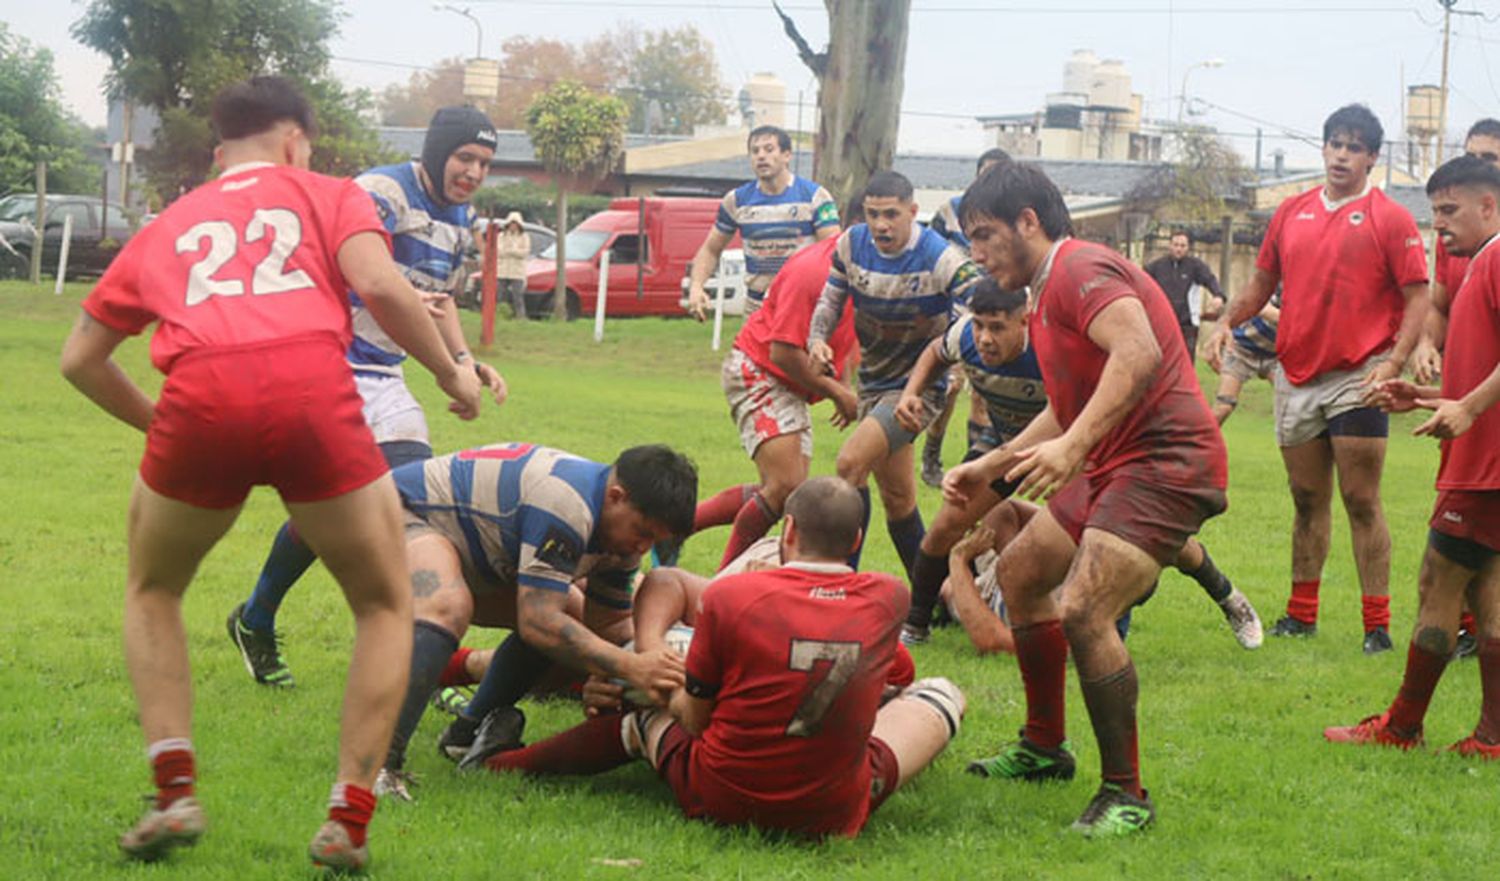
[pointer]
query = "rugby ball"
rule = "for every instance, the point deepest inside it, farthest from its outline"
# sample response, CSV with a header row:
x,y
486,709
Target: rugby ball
x,y
679,639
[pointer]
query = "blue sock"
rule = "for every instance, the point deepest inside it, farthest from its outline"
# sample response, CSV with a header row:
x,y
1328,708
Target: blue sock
x,y
288,559
864,497
906,535
515,669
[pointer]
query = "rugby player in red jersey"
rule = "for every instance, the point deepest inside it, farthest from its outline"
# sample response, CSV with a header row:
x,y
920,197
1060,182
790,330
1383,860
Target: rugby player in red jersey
x,y
1354,297
1462,559
780,724
247,279
1130,459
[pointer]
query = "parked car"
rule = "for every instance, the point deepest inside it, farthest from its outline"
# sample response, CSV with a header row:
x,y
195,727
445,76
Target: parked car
x,y
541,239
730,275
650,241
93,243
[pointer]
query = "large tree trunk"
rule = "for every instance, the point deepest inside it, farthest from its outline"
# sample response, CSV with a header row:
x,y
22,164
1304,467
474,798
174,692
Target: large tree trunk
x,y
560,289
859,99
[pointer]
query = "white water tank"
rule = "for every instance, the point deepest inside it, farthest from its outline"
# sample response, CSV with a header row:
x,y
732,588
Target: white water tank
x,y
1422,104
1111,86
768,98
1078,72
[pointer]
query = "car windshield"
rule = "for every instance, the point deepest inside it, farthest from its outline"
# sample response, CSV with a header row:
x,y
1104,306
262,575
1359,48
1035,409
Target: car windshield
x,y
582,244
16,208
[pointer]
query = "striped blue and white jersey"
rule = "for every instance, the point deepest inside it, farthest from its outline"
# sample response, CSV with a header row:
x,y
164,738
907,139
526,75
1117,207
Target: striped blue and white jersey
x,y
428,241
1258,335
901,302
1013,393
774,228
523,515
945,223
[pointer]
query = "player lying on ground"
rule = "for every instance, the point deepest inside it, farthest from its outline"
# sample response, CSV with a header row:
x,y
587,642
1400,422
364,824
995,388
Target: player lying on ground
x,y
247,277
495,536
992,345
1462,559
1129,458
780,723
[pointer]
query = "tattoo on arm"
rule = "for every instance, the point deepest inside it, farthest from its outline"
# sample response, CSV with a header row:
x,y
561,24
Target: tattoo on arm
x,y
425,583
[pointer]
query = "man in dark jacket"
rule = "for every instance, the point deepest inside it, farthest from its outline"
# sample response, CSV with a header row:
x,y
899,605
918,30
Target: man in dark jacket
x,y
1178,273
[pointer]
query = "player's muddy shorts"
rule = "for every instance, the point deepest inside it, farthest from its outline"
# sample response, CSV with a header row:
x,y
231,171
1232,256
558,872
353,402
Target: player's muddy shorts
x,y
762,406
283,414
1243,364
1468,515
1132,502
1330,403
390,409
674,763
881,406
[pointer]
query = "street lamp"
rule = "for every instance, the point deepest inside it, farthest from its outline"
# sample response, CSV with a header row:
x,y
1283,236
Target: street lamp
x,y
1182,99
478,28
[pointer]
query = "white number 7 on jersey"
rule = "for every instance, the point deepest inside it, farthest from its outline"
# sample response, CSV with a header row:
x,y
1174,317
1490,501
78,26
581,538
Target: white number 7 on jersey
x,y
270,275
806,653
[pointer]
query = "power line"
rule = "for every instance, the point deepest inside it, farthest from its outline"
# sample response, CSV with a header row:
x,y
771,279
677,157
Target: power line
x,y
1018,8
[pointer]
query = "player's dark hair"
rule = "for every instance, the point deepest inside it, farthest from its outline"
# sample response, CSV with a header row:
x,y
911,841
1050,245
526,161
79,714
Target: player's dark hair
x,y
854,212
1360,122
888,185
987,298
661,483
1181,232
993,154
828,513
1484,128
1006,190
783,140
255,105
1464,171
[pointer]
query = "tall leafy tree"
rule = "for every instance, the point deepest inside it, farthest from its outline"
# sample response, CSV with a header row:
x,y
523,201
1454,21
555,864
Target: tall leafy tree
x,y
174,55
676,69
579,136
34,126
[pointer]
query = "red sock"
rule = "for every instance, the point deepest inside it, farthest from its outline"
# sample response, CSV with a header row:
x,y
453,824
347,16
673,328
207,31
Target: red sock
x,y
1466,622
591,748
351,806
1376,612
1488,729
719,510
172,766
1423,670
1042,651
1303,604
753,521
457,671
1111,701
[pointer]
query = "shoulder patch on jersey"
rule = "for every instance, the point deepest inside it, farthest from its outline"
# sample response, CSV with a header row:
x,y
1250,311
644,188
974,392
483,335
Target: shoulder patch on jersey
x,y
826,213
560,550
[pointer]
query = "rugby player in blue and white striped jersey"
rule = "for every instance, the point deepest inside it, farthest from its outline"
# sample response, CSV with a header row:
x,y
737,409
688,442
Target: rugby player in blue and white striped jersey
x,y
776,215
905,284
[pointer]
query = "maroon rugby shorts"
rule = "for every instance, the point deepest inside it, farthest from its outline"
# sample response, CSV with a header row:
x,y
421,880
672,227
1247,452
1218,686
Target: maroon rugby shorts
x,y
1131,502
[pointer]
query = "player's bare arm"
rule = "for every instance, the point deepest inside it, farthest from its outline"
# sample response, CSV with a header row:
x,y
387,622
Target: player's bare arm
x,y
667,595
88,364
798,365
1123,330
690,712
1413,318
930,365
1243,306
827,232
452,332
964,479
985,630
543,621
368,268
1453,418
705,262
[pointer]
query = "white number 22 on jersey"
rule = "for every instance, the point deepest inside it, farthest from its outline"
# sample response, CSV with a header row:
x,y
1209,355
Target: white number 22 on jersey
x,y
270,275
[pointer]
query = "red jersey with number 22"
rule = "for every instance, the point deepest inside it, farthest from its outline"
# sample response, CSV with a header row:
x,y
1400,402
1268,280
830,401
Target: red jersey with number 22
x,y
251,257
1471,461
799,656
1342,266
1171,424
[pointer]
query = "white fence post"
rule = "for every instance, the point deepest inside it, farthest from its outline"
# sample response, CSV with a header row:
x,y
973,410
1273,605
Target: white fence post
x,y
603,293
62,256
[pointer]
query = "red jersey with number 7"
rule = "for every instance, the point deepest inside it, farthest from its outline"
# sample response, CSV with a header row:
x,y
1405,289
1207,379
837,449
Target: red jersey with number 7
x,y
251,257
796,659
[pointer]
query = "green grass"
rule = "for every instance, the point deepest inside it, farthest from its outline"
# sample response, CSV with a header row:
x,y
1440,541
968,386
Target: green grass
x,y
1230,739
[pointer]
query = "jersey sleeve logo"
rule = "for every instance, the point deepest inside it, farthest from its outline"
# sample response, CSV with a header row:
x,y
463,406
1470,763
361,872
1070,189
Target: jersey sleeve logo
x,y
559,550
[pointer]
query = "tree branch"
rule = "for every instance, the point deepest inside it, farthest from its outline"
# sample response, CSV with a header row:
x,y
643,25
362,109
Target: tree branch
x,y
817,62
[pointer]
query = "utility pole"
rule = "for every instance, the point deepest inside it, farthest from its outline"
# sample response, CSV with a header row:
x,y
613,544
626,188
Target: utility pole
x,y
41,222
1443,90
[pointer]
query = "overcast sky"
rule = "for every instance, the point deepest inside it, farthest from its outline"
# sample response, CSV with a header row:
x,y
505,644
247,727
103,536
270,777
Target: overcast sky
x,y
1287,63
